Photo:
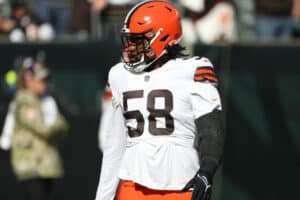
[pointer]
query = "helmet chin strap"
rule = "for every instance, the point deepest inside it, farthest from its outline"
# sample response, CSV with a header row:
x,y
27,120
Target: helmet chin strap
x,y
138,67
142,66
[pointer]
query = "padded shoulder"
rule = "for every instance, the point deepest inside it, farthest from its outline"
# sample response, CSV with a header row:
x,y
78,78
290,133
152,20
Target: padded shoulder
x,y
204,71
115,73
200,70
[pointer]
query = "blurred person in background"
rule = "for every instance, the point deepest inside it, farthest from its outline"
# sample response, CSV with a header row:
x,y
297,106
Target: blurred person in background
x,y
23,25
6,24
80,19
245,20
112,14
54,12
275,19
208,21
296,15
50,101
25,22
8,89
4,7
7,92
37,130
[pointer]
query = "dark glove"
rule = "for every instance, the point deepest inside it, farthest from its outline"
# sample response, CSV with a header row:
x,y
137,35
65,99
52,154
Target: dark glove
x,y
201,185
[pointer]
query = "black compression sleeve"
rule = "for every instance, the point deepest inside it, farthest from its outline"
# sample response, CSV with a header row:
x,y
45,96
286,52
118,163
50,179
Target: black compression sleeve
x,y
210,141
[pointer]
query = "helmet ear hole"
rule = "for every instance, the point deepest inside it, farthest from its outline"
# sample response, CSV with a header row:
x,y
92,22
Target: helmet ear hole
x,y
164,38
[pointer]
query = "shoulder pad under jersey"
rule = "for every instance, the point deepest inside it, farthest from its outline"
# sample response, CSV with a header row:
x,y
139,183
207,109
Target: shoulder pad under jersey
x,y
204,70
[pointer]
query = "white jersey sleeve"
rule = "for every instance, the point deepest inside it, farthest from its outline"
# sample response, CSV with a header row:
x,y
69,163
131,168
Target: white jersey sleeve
x,y
104,123
112,143
204,93
106,114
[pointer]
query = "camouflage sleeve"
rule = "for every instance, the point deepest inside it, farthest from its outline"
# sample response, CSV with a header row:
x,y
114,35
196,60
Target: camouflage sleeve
x,y
31,117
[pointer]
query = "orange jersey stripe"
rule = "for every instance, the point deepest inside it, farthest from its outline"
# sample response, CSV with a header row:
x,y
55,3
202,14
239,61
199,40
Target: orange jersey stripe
x,y
107,92
202,78
107,95
204,71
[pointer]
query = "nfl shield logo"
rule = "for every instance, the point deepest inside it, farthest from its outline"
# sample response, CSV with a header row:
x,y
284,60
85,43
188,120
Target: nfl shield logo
x,y
146,78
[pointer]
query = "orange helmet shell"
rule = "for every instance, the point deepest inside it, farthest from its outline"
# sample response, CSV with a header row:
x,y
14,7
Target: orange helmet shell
x,y
157,19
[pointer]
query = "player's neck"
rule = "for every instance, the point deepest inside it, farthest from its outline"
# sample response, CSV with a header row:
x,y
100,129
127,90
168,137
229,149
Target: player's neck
x,y
153,67
158,64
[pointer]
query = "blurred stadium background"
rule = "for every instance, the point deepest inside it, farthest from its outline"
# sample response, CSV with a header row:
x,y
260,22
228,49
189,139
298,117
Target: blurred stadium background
x,y
260,84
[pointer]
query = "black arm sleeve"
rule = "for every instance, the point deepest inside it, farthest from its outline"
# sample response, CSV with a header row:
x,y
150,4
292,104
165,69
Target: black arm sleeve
x,y
210,141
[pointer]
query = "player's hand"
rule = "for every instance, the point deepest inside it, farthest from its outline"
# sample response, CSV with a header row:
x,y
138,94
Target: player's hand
x,y
201,185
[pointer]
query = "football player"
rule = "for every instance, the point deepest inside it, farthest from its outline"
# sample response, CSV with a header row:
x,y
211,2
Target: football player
x,y
165,137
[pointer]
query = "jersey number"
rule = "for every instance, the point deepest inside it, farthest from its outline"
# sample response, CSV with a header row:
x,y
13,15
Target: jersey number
x,y
153,112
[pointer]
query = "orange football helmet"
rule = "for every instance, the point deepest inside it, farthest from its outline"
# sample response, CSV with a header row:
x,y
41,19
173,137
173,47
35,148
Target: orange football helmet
x,y
149,28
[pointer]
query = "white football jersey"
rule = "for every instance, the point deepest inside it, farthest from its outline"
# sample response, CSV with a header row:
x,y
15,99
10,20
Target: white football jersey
x,y
159,109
